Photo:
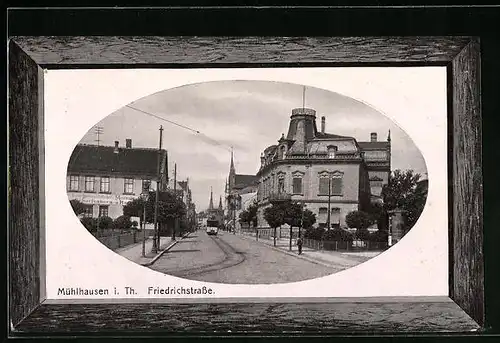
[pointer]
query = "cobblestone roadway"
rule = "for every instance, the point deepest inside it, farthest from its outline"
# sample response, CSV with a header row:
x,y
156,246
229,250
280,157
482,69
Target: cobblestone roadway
x,y
228,258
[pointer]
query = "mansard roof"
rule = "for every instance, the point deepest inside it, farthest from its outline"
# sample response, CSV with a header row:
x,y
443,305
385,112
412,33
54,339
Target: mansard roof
x,y
244,180
374,145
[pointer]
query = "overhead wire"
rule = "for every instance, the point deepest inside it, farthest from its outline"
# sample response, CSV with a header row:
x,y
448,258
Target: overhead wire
x,y
206,137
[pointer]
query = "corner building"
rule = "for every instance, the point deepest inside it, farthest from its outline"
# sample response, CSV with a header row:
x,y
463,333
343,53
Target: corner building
x,y
305,162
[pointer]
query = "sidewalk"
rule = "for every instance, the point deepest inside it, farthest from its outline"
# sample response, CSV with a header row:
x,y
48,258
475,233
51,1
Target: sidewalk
x,y
133,252
323,257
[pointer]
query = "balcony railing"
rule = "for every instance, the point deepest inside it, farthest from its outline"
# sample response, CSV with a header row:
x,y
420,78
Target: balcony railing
x,y
279,197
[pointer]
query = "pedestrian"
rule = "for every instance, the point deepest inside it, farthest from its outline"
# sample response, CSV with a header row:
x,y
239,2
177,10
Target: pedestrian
x,y
299,244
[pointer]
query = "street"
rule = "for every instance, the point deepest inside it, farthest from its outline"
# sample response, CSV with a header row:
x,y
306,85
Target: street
x,y
229,258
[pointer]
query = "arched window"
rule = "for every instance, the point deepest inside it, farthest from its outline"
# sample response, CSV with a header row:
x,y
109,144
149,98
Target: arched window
x,y
283,152
297,182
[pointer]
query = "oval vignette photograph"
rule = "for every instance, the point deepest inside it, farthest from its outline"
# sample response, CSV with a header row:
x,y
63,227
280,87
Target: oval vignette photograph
x,y
247,182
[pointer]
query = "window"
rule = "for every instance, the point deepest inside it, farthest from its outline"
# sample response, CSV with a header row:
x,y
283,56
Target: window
x,y
89,183
128,186
104,184
332,149
332,179
337,185
323,185
335,216
88,211
73,182
297,185
283,152
323,215
103,211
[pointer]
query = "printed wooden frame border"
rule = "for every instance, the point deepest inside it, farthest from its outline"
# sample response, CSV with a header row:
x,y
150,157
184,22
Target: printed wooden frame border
x,y
31,313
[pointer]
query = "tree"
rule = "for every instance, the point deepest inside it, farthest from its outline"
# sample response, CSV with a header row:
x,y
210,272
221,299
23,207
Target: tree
x,y
358,219
244,217
275,217
77,206
309,219
252,213
249,215
405,191
123,223
169,207
134,208
89,223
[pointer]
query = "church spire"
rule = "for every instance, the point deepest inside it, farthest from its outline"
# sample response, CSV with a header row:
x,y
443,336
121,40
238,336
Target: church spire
x,y
232,173
389,136
231,168
211,205
220,203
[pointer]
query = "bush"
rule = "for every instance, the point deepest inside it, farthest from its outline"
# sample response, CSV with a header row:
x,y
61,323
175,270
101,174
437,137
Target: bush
x,y
362,234
105,223
337,235
378,236
123,223
89,223
314,233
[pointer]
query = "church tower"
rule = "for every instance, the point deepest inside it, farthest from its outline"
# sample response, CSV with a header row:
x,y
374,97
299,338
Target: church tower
x,y
211,205
232,174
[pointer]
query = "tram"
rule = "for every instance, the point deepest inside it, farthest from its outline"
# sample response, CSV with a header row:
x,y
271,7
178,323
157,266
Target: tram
x,y
212,227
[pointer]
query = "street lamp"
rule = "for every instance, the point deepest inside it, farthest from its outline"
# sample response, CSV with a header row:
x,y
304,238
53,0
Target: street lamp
x,y
304,206
144,197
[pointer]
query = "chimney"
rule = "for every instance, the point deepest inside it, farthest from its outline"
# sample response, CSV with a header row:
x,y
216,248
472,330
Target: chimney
x,y
323,122
373,136
116,147
128,143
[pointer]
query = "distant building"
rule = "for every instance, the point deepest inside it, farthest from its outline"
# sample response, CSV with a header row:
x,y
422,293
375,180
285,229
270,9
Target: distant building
x,y
309,164
215,213
241,190
105,178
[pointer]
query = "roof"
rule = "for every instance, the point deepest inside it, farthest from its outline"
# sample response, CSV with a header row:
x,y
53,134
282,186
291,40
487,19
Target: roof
x,y
330,135
373,145
242,180
131,161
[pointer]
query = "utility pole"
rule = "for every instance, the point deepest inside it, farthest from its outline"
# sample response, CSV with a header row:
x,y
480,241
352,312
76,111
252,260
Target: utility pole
x,y
156,235
329,199
98,131
175,197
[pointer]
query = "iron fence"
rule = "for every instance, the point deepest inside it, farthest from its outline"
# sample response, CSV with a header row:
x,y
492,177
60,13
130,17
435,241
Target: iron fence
x,y
120,240
356,245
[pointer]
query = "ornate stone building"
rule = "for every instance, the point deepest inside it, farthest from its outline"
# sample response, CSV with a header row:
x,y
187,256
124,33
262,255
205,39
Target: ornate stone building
x,y
322,170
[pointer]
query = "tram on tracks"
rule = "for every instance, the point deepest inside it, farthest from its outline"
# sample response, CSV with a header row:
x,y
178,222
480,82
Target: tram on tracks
x,y
212,227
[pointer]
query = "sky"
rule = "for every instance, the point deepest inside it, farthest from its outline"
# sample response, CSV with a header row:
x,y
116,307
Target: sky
x,y
203,121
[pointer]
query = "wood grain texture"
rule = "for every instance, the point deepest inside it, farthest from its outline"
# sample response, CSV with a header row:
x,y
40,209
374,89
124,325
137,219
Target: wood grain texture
x,y
468,271
25,217
24,214
250,318
197,50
